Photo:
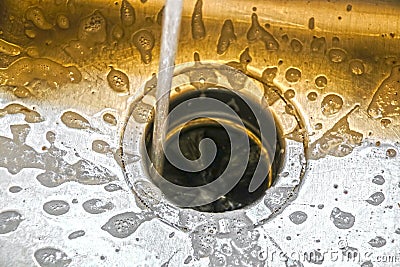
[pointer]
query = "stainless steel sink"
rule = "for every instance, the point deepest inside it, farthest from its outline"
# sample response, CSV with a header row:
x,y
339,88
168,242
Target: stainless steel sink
x,y
77,88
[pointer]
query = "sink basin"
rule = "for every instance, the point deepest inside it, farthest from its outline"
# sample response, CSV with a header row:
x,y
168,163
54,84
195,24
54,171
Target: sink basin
x,y
77,83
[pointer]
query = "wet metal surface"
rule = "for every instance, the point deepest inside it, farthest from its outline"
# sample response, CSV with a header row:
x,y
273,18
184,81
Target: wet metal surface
x,y
76,91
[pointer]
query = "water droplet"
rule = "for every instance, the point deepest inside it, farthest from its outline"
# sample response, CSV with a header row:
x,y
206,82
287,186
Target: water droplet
x,y
9,48
391,153
142,112
36,15
337,55
321,206
74,120
96,206
318,126
318,45
9,221
21,92
376,198
15,189
198,28
118,81
112,187
30,33
245,58
335,41
62,22
144,41
117,32
293,75
92,29
321,81
125,224
311,23
397,231
56,207
331,104
384,101
76,234
188,260
341,219
349,7
25,71
298,217
51,137
33,51
357,67
385,123
227,36
51,257
296,45
269,75
289,94
257,32
110,118
377,242
312,96
100,146
378,179
127,12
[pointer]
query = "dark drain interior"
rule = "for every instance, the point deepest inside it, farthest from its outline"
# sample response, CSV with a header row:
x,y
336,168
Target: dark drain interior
x,y
191,133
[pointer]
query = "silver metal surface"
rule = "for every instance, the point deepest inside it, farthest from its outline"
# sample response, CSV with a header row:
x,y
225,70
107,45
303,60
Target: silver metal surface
x,y
68,199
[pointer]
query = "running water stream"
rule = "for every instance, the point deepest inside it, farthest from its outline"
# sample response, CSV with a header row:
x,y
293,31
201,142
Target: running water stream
x,y
169,44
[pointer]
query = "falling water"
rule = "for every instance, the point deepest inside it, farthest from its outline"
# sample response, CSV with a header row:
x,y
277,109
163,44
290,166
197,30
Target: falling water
x,y
169,43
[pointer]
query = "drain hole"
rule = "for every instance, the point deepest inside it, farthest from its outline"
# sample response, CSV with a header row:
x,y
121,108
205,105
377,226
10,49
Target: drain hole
x,y
229,159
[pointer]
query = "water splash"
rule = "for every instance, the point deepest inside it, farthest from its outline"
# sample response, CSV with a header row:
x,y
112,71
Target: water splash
x,y
31,116
339,141
57,170
385,102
